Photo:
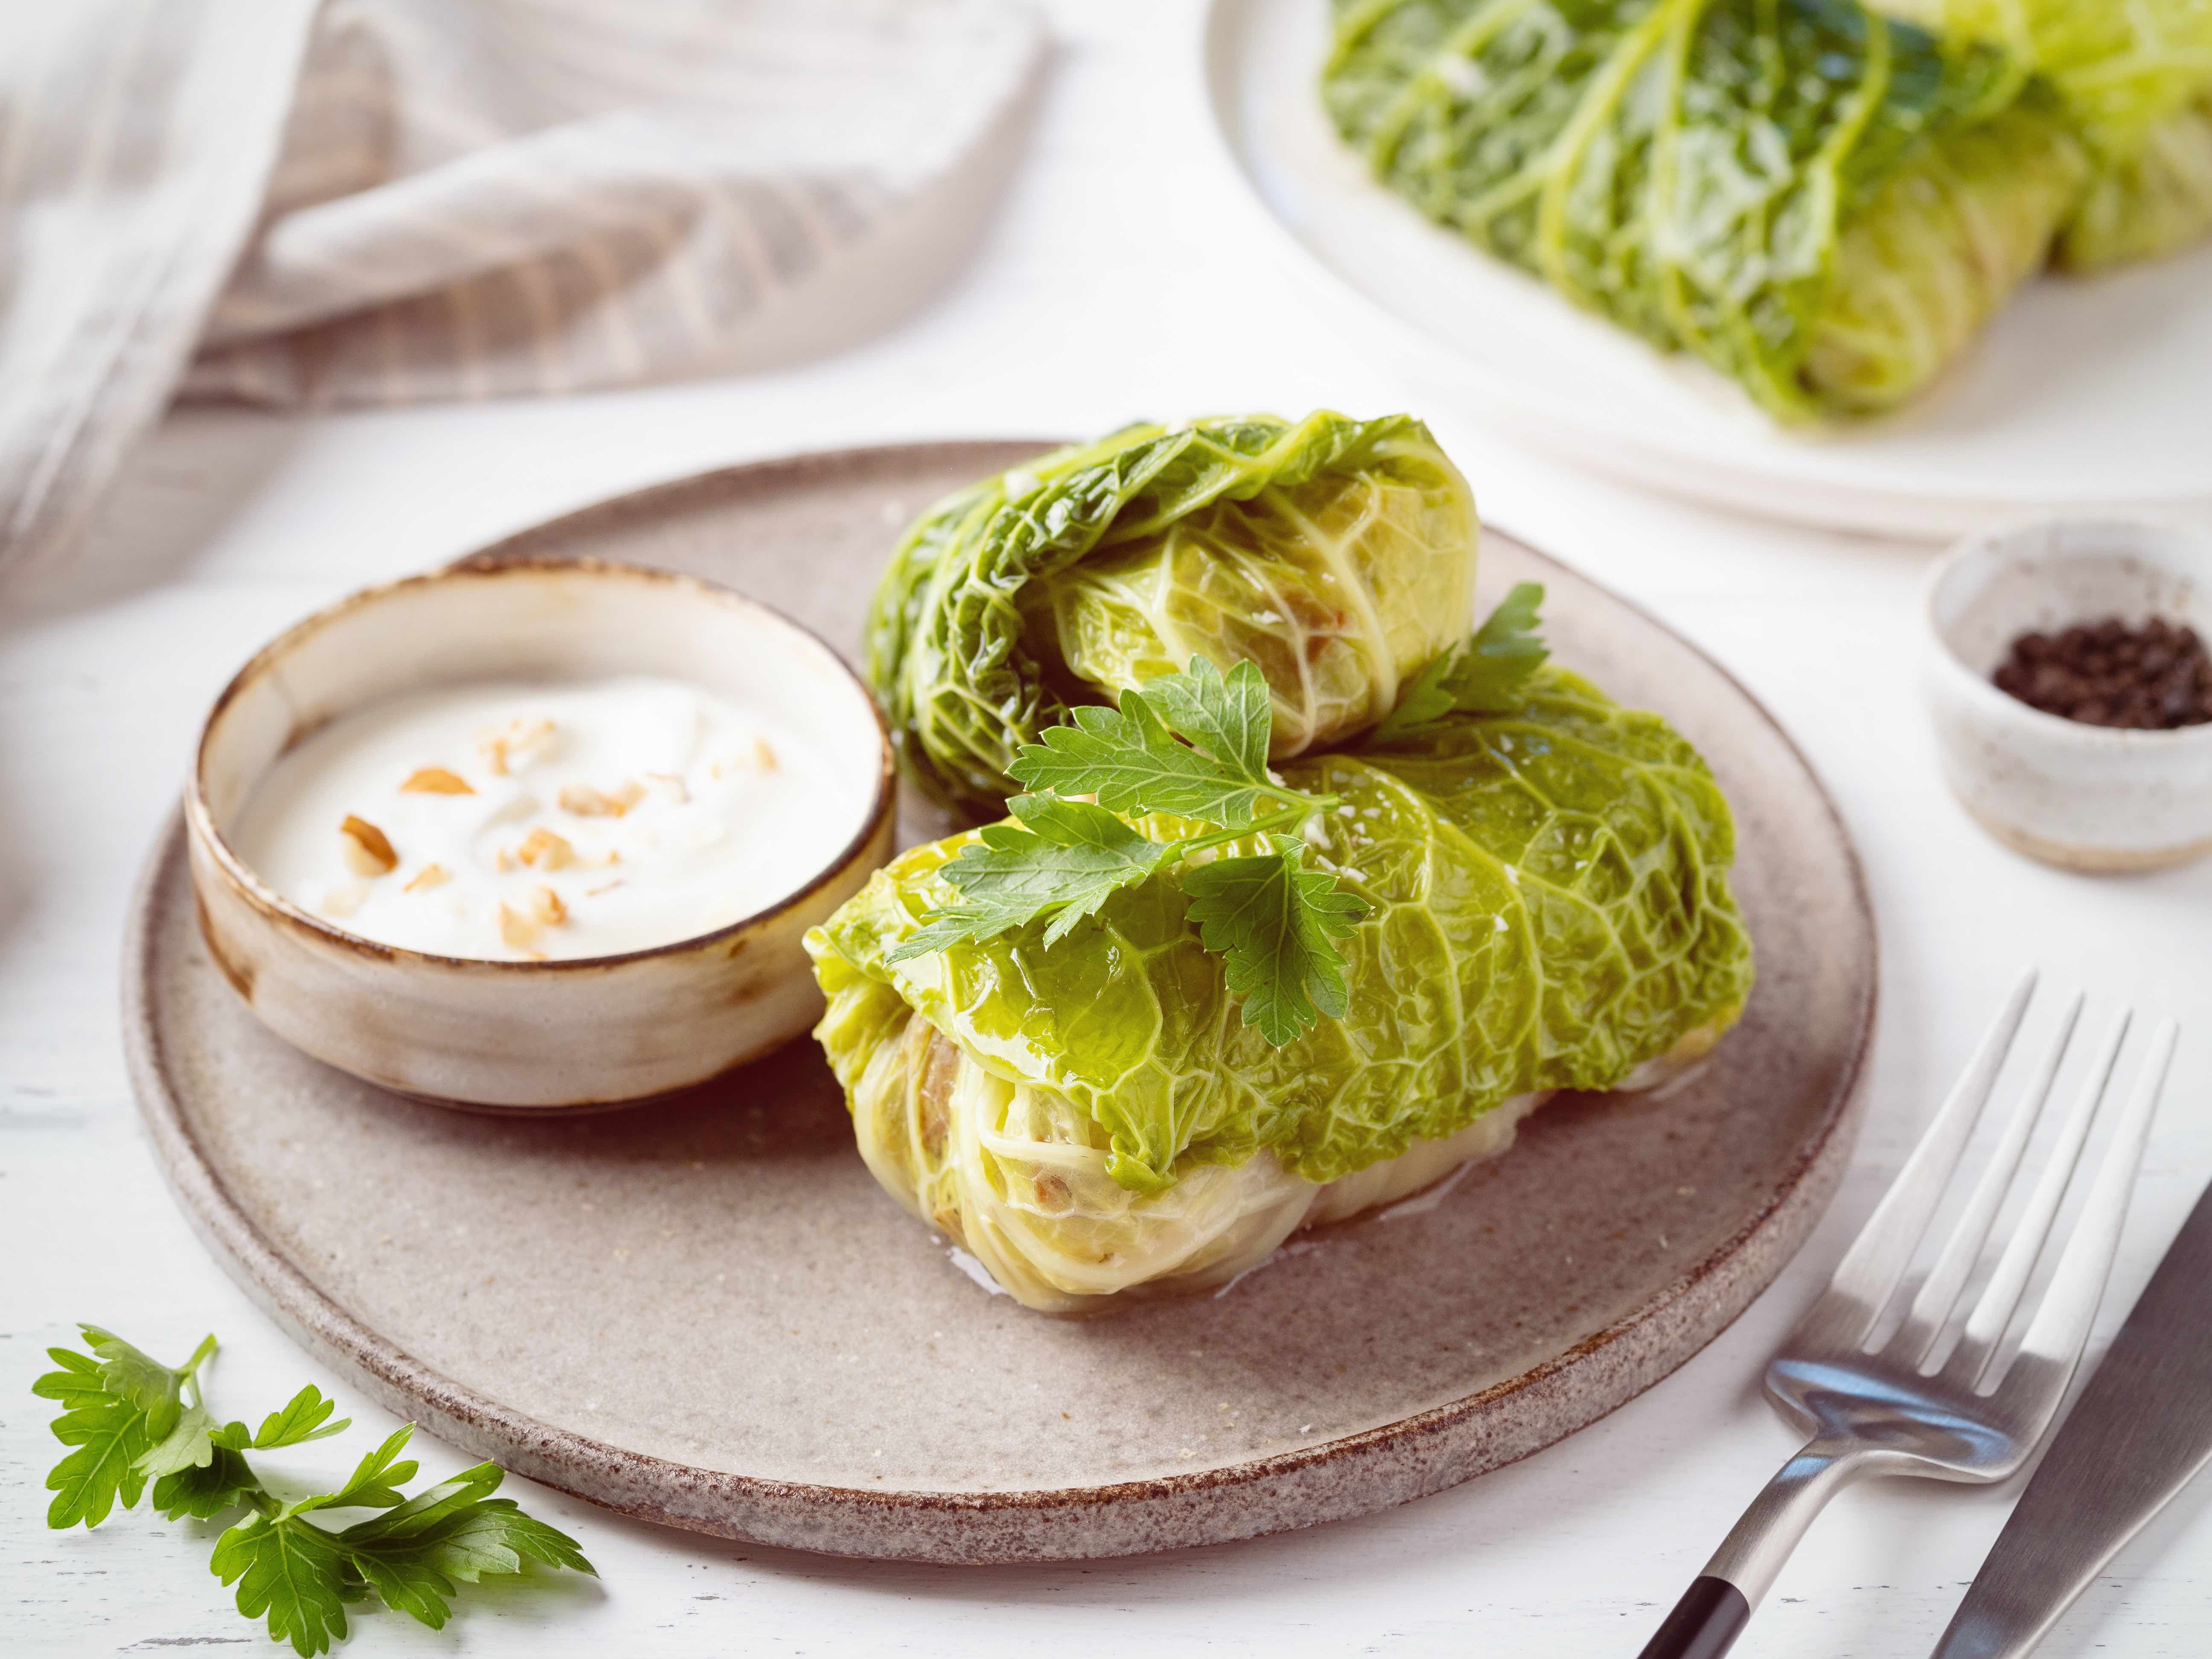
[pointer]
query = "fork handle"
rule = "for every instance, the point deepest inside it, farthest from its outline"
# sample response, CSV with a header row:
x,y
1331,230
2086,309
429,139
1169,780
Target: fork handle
x,y
1704,1624
1714,1610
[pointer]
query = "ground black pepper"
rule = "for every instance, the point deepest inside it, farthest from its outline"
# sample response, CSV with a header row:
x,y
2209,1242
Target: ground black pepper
x,y
2105,674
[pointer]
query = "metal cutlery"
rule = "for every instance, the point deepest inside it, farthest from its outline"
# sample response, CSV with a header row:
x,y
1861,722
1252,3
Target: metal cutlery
x,y
2140,1432
1900,1405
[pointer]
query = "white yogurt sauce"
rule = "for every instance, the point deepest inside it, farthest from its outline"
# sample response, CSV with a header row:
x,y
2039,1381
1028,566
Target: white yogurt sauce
x,y
523,822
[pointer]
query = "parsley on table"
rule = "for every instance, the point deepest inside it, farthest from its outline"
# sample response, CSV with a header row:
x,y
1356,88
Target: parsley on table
x,y
1194,747
130,1419
1487,675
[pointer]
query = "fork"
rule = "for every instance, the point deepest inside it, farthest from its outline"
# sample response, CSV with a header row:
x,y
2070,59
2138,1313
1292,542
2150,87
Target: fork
x,y
1899,1407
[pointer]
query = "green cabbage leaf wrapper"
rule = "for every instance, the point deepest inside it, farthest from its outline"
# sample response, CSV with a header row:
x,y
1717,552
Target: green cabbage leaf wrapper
x,y
1337,555
1825,205
2155,201
2135,77
1551,909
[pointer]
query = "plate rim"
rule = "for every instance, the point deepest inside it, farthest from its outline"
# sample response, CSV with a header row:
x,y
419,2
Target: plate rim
x,y
1572,433
851,1521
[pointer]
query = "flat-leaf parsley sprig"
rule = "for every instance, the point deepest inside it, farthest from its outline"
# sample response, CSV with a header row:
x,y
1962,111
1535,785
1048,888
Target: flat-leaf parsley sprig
x,y
1488,674
1192,746
131,1419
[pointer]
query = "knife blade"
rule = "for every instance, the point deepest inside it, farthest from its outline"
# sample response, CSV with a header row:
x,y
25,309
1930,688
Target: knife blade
x,y
2142,1428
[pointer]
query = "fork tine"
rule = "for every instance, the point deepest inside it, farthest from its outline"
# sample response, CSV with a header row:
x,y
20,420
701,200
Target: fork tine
x,y
2060,1329
1985,1326
1876,1262
1939,1292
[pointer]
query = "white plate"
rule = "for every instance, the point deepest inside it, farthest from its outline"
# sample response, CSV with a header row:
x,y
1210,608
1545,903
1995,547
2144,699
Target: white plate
x,y
2088,395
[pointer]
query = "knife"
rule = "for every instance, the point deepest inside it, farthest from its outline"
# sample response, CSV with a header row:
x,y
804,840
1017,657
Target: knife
x,y
2140,1430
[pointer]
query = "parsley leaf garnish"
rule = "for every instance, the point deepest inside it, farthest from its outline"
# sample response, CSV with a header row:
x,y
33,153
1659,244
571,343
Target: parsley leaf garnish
x,y
1487,675
290,1573
302,1420
1068,859
1276,923
1192,746
1227,716
1128,758
411,1555
223,1483
130,1419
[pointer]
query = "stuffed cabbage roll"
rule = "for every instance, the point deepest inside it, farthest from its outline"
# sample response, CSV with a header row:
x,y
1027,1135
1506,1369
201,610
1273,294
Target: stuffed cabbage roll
x,y
1338,555
2157,201
1822,205
2136,79
1548,908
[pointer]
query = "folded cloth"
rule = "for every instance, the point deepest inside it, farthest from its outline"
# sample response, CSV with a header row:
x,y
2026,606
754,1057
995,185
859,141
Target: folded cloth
x,y
358,201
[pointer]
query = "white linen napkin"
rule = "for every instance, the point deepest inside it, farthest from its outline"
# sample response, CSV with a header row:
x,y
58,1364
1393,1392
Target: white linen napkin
x,y
319,203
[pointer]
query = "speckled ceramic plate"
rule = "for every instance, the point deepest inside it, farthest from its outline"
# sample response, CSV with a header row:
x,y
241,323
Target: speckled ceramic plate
x,y
704,1312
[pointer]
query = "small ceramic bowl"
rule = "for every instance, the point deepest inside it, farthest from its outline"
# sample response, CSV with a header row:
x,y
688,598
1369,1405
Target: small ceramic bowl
x,y
568,1033
2086,797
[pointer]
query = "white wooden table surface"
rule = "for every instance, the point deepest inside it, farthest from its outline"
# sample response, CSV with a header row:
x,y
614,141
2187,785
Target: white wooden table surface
x,y
1120,276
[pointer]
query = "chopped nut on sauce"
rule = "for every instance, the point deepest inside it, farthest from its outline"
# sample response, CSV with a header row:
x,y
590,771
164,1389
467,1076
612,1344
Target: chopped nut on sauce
x,y
342,901
435,781
517,929
545,906
368,850
593,893
675,781
519,742
764,755
430,876
543,849
586,802
503,859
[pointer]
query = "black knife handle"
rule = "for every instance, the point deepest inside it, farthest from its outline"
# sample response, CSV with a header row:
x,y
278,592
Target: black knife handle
x,y
1704,1624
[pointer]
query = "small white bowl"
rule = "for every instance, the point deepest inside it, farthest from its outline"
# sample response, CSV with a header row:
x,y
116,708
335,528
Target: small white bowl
x,y
2085,797
569,1033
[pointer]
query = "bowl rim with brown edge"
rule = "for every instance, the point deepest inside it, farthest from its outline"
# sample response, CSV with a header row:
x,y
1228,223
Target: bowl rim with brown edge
x,y
199,816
